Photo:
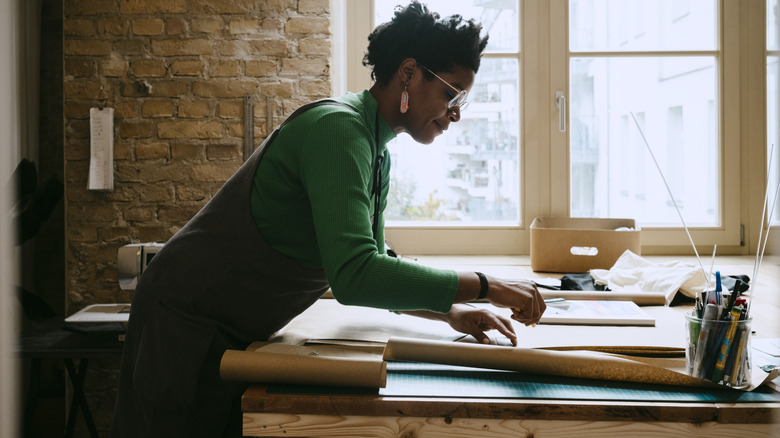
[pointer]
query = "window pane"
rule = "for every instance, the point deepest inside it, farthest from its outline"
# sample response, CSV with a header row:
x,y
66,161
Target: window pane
x,y
772,13
612,172
772,97
498,17
641,25
470,175
471,172
773,136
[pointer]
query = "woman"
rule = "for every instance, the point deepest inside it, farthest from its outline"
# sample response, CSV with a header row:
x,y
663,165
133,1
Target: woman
x,y
304,214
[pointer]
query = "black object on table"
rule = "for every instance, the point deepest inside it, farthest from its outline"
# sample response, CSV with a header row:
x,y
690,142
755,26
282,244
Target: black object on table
x,y
56,339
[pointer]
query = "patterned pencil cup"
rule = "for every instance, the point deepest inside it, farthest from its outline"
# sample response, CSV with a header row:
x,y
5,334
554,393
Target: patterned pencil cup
x,y
718,350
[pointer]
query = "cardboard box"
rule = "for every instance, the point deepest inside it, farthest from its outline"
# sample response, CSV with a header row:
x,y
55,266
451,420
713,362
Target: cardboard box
x,y
576,245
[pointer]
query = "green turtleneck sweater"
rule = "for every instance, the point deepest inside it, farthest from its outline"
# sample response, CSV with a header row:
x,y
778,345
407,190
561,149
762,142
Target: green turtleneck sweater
x,y
312,202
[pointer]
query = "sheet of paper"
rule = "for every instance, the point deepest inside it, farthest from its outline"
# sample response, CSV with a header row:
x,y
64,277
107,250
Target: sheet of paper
x,y
770,346
99,313
576,312
101,149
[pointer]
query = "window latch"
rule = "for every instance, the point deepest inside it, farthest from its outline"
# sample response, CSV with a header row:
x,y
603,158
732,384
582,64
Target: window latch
x,y
560,103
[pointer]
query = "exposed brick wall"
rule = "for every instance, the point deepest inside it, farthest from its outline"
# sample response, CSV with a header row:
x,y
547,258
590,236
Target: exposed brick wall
x,y
176,73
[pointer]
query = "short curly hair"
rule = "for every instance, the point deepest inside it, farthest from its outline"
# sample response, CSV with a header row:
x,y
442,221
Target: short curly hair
x,y
415,32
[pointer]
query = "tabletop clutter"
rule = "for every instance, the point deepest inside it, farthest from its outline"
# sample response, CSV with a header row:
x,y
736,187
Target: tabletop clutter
x,y
718,335
718,328
716,354
717,351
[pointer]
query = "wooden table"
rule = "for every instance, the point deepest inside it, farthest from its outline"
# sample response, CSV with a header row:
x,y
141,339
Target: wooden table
x,y
276,415
51,339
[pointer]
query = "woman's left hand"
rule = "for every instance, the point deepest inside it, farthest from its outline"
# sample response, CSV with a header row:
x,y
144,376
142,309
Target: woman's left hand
x,y
476,322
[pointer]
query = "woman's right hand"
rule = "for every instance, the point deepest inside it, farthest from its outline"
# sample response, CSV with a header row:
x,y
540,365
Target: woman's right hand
x,y
522,296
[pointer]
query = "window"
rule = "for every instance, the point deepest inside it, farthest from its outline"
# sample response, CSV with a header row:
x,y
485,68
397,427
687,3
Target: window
x,y
471,175
553,128
660,59
772,98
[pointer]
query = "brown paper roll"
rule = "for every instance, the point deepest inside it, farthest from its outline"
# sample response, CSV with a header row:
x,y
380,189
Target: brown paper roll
x,y
259,366
580,364
640,298
627,350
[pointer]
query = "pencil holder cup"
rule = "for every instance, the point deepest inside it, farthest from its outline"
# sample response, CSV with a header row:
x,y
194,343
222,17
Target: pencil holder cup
x,y
718,350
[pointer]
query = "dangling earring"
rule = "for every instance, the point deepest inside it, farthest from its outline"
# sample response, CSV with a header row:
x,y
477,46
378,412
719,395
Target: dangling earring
x,y
404,100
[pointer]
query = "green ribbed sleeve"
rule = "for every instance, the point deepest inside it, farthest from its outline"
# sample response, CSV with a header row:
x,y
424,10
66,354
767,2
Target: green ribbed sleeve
x,y
312,202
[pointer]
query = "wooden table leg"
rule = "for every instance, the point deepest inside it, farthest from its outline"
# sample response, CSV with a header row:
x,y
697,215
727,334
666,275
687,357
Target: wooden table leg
x,y
78,400
32,396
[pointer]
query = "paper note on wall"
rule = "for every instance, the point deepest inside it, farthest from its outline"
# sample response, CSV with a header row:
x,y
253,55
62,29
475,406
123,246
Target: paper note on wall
x,y
101,146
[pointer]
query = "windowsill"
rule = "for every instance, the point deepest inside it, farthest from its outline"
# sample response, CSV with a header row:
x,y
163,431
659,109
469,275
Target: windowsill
x,y
524,261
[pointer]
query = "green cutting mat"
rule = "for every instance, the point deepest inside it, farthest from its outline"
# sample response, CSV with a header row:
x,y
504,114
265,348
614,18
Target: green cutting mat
x,y
431,380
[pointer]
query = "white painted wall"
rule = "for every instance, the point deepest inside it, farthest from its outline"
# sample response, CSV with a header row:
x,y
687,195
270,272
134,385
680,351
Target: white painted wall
x,y
10,150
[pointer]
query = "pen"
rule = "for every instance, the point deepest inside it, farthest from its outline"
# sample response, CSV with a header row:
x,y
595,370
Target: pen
x,y
733,297
736,368
711,355
723,354
718,292
718,284
694,330
547,301
732,363
707,325
701,301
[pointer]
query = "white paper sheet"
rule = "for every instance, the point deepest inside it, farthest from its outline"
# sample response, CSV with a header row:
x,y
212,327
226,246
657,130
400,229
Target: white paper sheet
x,y
101,145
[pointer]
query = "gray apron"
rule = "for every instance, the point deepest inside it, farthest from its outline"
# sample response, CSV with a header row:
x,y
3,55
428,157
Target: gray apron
x,y
215,285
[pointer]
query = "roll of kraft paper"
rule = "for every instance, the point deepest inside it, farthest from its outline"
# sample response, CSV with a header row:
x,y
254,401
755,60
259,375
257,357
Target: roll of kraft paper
x,y
265,367
640,298
579,364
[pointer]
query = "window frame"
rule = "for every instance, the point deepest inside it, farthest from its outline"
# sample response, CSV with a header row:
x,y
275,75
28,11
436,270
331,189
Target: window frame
x,y
544,57
668,239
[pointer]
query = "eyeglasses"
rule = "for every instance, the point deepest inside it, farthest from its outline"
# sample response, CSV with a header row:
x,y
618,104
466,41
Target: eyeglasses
x,y
456,100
